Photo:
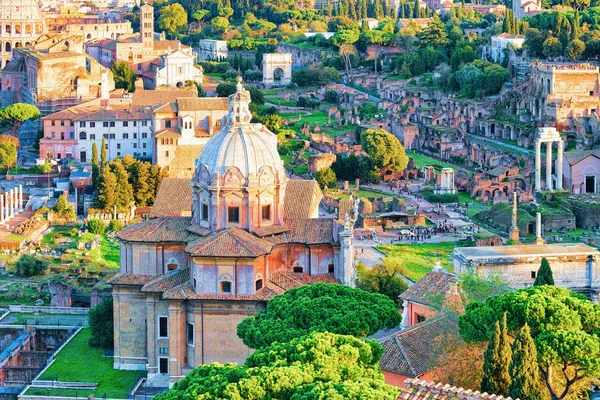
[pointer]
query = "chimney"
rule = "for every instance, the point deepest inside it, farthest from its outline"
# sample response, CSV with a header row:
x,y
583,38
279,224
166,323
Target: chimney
x,y
104,85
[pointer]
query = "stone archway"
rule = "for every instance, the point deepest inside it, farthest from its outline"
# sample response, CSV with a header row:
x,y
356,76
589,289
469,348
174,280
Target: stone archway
x,y
277,69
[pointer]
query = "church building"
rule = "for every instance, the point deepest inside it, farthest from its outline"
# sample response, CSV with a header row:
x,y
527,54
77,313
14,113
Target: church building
x,y
186,282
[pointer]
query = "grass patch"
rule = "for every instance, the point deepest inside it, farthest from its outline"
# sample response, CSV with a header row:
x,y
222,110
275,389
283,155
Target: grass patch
x,y
78,362
418,259
422,160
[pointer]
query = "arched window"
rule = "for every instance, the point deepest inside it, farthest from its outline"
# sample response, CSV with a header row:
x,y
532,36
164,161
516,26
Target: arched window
x,y
82,136
225,284
258,283
172,264
8,47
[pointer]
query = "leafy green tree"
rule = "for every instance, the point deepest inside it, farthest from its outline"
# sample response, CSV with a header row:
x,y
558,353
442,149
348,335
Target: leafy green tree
x,y
496,361
96,226
434,34
95,166
115,225
563,326
317,366
103,157
574,49
544,275
344,40
534,41
17,114
319,307
8,154
524,372
173,18
28,265
124,76
220,23
273,122
331,96
325,177
384,149
124,192
199,15
64,208
552,47
106,197
101,324
140,181
383,278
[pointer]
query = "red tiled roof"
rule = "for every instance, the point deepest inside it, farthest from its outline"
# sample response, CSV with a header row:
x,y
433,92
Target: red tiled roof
x,y
433,286
302,198
166,229
168,281
131,279
415,389
174,198
416,350
232,242
306,231
153,98
185,291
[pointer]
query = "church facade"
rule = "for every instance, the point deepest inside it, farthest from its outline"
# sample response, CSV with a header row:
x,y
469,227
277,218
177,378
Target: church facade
x,y
186,282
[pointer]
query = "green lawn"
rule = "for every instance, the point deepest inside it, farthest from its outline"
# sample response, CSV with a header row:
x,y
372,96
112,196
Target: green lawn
x,y
315,117
281,102
78,362
419,259
364,194
423,161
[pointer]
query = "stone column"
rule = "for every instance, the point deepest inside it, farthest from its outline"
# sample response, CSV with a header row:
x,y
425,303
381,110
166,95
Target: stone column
x,y
538,166
549,166
559,166
11,195
15,201
538,228
20,198
2,208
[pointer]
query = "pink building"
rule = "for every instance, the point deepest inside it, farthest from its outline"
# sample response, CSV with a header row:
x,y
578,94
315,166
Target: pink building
x,y
581,171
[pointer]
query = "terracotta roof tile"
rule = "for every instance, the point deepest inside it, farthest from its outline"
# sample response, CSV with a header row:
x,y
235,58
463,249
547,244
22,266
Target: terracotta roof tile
x,y
116,114
184,161
430,288
166,229
131,279
415,389
575,156
153,98
168,281
307,231
167,133
232,242
174,198
185,291
302,198
203,103
416,350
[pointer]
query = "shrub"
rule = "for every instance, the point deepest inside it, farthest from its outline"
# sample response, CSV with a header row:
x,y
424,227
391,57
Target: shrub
x,y
29,265
96,226
101,325
115,225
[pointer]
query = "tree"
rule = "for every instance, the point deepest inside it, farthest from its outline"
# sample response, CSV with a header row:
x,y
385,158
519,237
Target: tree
x,y
524,373
17,114
325,177
273,122
331,96
29,265
383,278
103,159
199,15
8,154
317,366
124,76
95,166
115,225
124,190
64,209
96,226
433,34
384,150
220,23
345,39
574,49
563,325
552,47
106,197
172,18
496,362
101,325
317,308
544,274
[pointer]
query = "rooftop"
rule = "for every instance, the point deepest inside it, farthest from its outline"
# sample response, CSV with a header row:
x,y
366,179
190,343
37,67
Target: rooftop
x,y
432,288
490,253
415,389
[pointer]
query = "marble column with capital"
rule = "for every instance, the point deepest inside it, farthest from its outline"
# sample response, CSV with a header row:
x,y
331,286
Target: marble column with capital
x,y
549,166
538,166
559,166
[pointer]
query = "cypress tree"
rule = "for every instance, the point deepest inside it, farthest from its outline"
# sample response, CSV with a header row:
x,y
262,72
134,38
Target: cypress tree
x,y
107,189
544,275
524,371
496,361
103,159
95,166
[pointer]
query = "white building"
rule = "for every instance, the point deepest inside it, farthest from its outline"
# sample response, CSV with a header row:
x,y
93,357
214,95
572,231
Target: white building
x,y
212,50
126,131
172,69
495,52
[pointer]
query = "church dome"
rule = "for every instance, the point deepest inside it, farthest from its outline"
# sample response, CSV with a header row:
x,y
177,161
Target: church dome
x,y
241,144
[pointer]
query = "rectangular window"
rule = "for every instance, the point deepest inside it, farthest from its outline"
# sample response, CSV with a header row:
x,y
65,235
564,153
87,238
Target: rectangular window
x,y
105,136
225,287
532,274
72,135
119,146
163,365
53,123
163,327
135,145
92,124
134,123
126,136
144,123
62,136
233,215
71,123
144,145
167,124
62,123
266,212
53,134
144,154
118,153
82,124
92,136
135,135
112,124
105,124
163,351
112,135
125,124
144,135
190,334
204,212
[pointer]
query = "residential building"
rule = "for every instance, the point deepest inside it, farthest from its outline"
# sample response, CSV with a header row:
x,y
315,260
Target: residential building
x,y
526,8
175,69
581,171
186,282
500,43
212,50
